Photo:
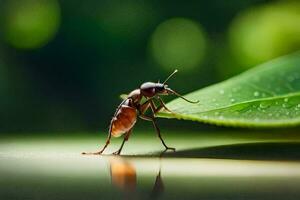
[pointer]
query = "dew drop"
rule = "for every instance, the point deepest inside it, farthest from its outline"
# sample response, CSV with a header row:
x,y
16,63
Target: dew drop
x,y
217,113
286,105
286,99
205,117
287,113
256,94
298,105
264,105
221,117
232,100
213,100
221,91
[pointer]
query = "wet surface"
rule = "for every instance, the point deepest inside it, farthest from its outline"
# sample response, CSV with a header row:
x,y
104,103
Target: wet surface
x,y
218,166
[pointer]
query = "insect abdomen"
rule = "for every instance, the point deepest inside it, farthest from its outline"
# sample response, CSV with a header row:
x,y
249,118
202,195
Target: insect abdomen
x,y
123,121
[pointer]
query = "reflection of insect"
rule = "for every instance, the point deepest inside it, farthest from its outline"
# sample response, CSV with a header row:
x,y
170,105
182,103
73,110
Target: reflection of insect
x,y
133,107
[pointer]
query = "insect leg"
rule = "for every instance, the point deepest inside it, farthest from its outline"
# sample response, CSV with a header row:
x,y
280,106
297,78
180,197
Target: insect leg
x,y
126,137
101,151
157,109
162,105
144,107
152,119
149,103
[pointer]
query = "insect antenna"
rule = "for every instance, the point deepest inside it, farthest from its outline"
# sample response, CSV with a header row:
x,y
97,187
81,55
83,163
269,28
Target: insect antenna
x,y
175,71
173,92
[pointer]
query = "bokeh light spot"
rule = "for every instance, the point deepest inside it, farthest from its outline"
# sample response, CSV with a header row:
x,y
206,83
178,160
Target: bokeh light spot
x,y
30,24
178,43
265,32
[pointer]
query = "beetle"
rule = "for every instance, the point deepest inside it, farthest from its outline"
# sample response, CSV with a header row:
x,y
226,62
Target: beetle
x,y
133,107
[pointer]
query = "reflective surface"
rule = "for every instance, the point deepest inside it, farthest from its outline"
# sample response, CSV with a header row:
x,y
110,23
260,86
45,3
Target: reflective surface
x,y
205,166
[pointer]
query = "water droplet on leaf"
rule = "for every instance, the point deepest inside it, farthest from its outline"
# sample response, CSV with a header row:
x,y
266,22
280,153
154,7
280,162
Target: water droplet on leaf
x,y
264,105
286,105
256,93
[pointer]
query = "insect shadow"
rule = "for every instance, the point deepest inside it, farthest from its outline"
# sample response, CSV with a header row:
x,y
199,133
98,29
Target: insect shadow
x,y
246,151
281,151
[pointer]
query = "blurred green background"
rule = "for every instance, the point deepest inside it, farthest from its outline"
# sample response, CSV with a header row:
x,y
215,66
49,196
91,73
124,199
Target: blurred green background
x,y
63,64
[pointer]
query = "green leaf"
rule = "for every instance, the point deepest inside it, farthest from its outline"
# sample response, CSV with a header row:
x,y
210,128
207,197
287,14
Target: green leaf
x,y
265,96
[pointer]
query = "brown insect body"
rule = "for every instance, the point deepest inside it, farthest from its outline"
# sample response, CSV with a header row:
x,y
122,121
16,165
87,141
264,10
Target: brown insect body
x,y
124,119
127,112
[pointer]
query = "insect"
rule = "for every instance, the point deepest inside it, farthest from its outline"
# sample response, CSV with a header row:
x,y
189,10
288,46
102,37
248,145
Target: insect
x,y
133,107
